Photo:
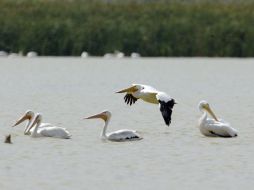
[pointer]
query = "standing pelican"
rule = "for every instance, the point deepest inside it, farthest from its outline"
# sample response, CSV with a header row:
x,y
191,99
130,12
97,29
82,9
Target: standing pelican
x,y
120,135
29,115
51,131
151,95
213,127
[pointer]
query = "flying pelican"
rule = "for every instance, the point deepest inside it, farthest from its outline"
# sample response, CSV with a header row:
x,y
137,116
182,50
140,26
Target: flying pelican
x,y
50,131
151,95
213,127
29,115
120,135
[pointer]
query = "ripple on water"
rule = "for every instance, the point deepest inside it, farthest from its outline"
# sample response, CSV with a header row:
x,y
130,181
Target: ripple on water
x,y
176,157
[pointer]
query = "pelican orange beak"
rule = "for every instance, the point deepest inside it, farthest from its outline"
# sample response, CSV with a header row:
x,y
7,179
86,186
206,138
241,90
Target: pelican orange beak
x,y
32,125
128,90
209,110
100,116
23,118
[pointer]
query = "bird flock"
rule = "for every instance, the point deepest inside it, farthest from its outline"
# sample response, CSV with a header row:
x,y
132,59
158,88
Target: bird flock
x,y
208,126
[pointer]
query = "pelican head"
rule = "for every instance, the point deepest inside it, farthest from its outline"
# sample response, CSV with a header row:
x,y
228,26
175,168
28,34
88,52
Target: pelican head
x,y
173,102
132,89
37,119
203,105
105,115
27,116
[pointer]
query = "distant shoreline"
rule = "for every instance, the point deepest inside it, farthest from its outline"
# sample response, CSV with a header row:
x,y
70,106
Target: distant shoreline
x,y
162,29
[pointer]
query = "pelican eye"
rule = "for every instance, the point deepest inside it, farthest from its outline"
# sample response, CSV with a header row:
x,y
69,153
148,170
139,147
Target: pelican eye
x,y
204,105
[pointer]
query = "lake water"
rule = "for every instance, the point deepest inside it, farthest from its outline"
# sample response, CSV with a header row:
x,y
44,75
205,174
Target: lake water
x,y
65,90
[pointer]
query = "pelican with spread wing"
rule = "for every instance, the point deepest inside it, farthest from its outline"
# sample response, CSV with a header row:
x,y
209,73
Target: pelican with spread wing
x,y
150,95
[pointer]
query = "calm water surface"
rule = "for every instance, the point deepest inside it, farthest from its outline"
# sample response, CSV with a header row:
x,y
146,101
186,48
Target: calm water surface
x,y
65,90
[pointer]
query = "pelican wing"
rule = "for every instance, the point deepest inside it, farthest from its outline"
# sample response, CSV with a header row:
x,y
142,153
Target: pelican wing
x,y
221,129
54,131
166,106
41,126
124,135
130,99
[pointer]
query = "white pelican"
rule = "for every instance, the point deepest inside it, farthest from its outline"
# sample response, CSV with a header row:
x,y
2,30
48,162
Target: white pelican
x,y
84,54
50,131
3,54
32,54
120,135
108,55
151,95
29,115
213,127
13,55
135,55
119,54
